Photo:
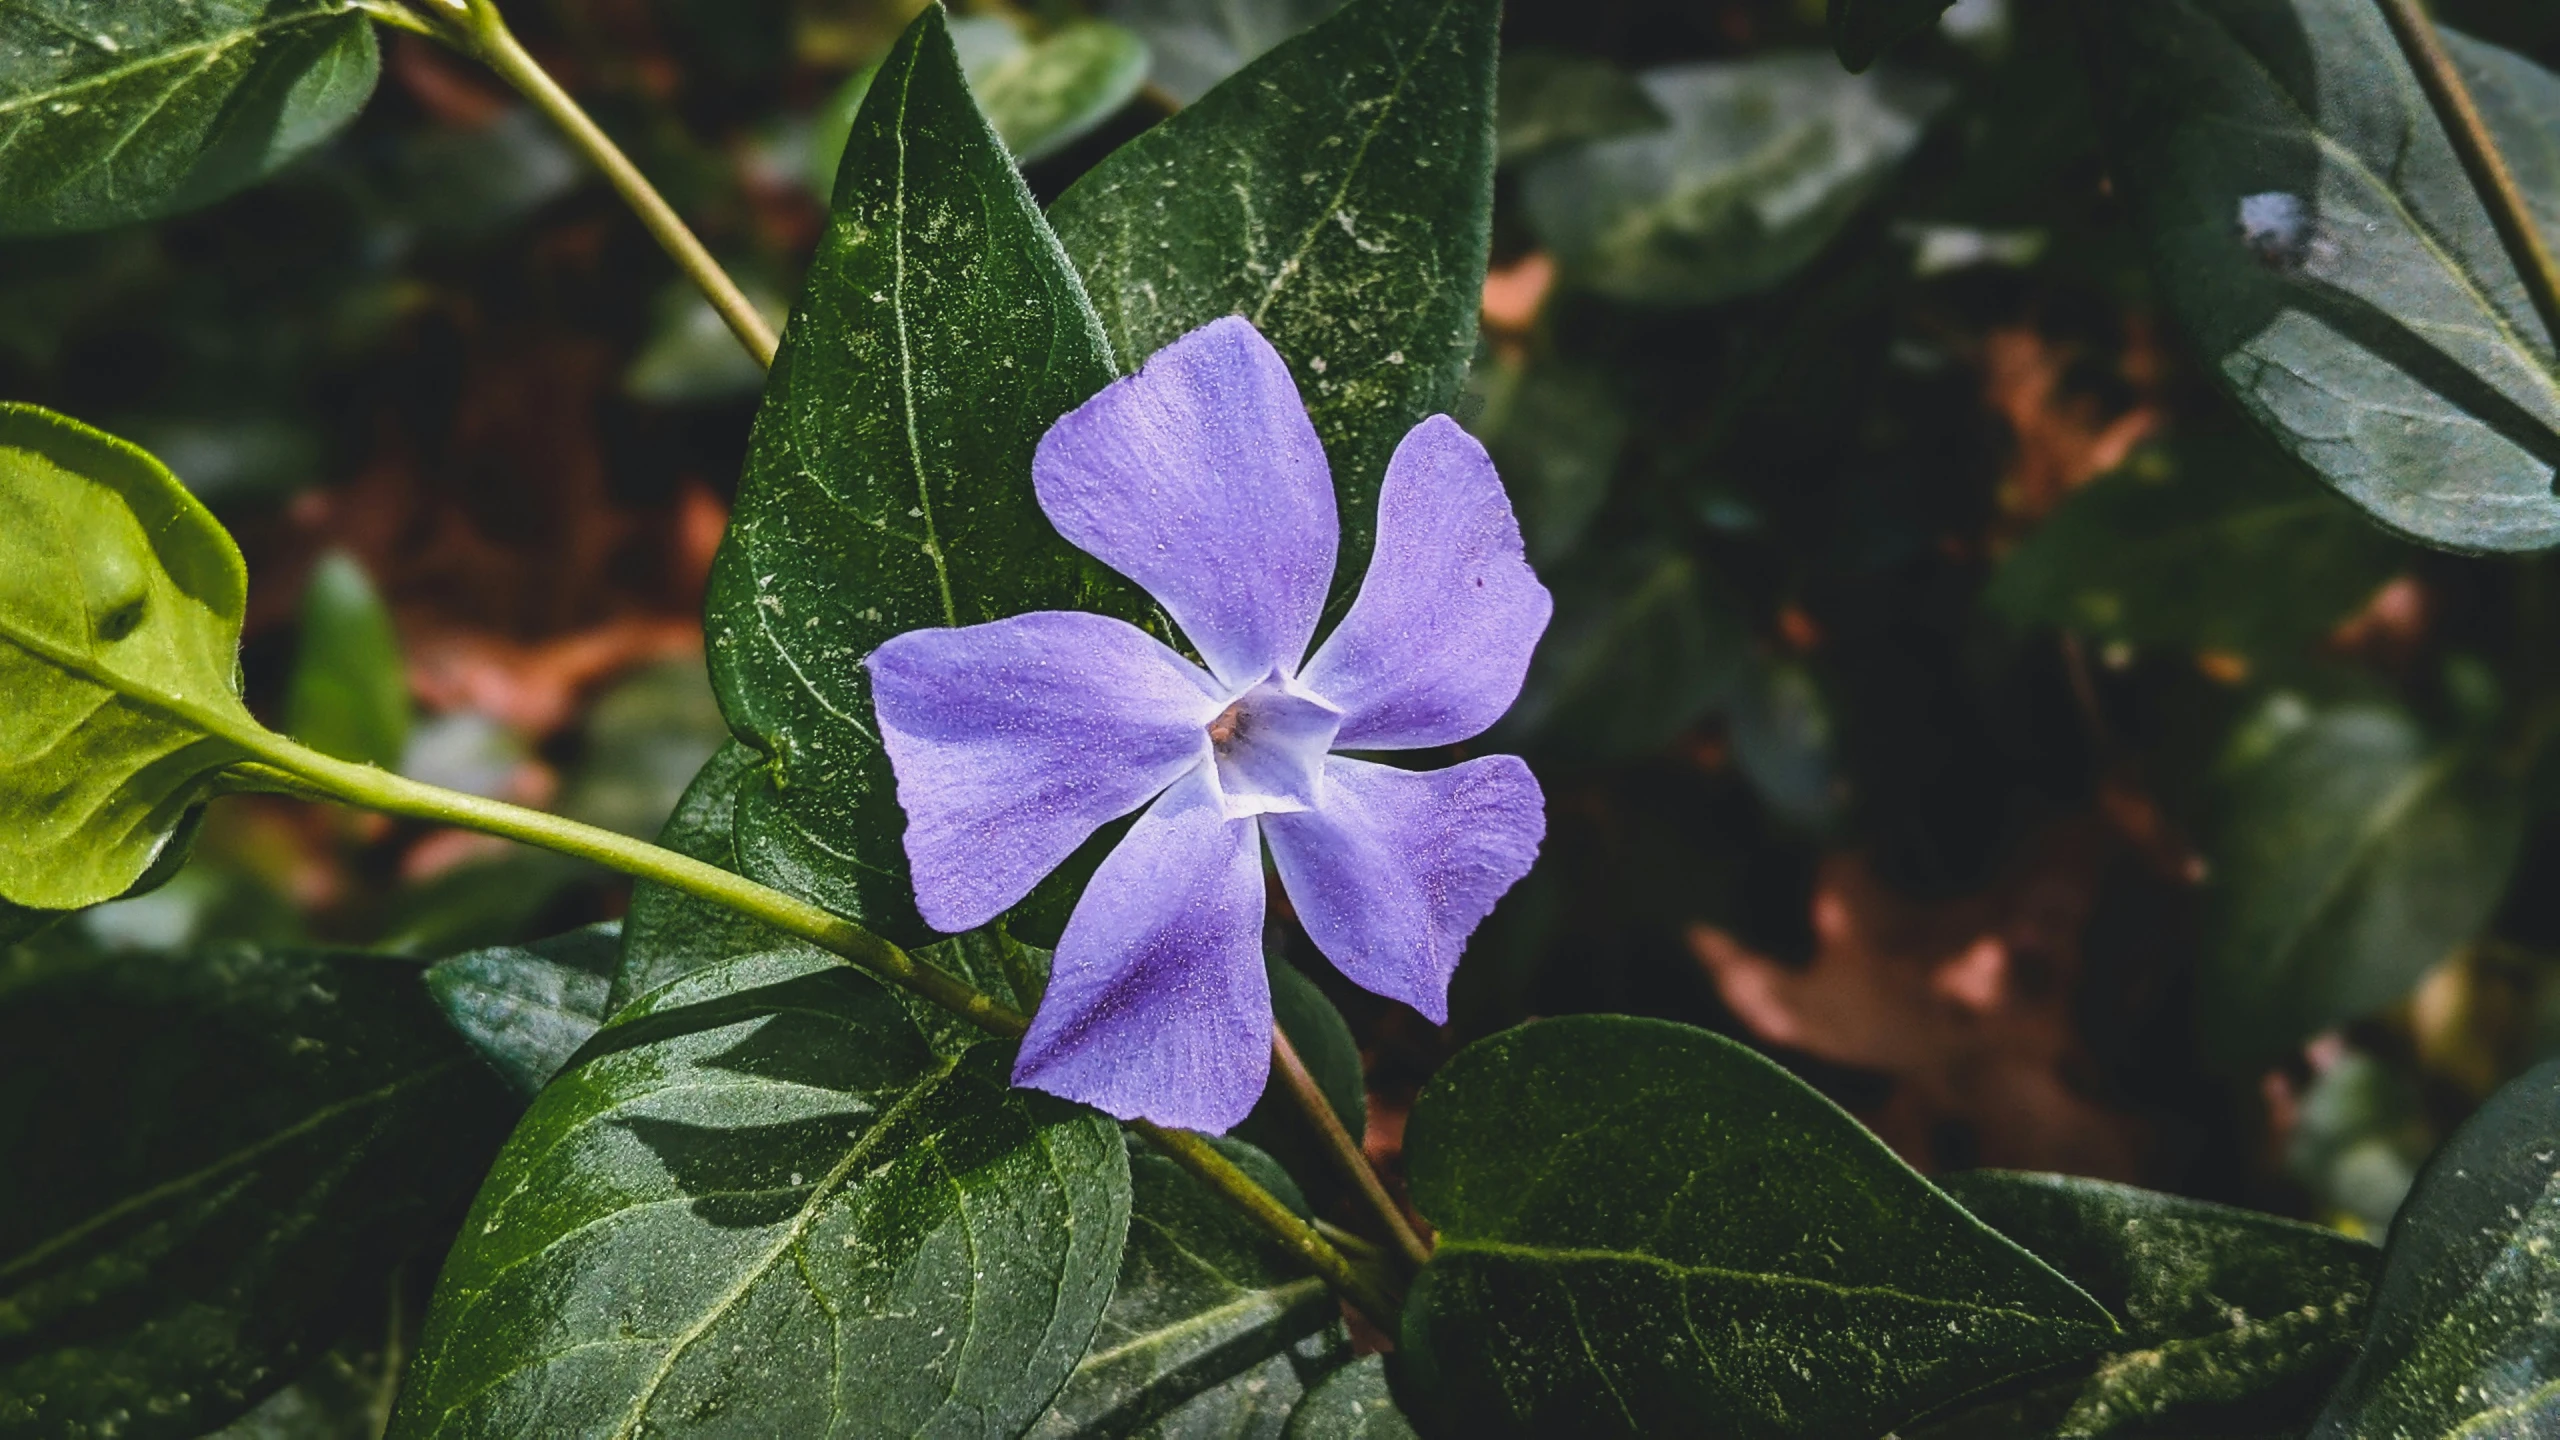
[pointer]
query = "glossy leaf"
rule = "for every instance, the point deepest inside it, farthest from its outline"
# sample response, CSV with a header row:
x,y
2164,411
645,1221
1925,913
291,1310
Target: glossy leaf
x,y
1338,193
1051,92
207,1164
2213,543
2465,1341
350,692
2236,1323
667,933
1556,431
1550,99
1214,1329
1352,1403
760,1195
1648,1229
1641,648
1764,161
114,112
2313,230
2354,852
888,481
120,606
527,1008
1862,30
1197,43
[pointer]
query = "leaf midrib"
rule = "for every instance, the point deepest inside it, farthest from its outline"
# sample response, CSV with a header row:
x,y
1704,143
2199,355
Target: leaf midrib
x,y
1565,1256
232,1161
213,47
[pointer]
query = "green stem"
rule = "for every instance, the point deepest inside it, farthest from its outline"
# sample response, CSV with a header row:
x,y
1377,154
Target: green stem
x,y
1197,1155
476,28
2481,158
306,771
1346,1152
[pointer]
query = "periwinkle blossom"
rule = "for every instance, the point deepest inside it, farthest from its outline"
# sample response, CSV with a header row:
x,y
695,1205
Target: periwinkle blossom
x,y
1201,479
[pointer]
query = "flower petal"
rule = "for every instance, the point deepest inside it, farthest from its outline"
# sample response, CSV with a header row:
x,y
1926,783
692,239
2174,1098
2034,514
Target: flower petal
x,y
1014,740
1200,478
1158,1007
1396,868
1434,648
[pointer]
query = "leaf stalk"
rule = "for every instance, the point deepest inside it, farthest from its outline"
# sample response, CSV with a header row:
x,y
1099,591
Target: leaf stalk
x,y
2481,158
1345,1152
477,29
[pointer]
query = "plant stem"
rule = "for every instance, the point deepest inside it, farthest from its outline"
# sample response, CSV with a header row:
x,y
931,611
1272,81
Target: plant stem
x,y
1346,1152
476,27
2481,158
307,771
1197,1155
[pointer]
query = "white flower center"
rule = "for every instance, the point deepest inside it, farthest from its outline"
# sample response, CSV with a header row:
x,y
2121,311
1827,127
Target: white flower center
x,y
1269,746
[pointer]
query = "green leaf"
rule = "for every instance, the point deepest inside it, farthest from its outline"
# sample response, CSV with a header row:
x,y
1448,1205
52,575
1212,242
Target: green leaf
x,y
759,1194
2235,1323
691,356
644,742
2312,229
1764,161
888,481
1041,95
1046,94
1862,30
350,691
1556,431
1351,1404
668,933
2465,1342
528,1008
1641,648
1649,1229
1197,43
112,112
1549,100
1214,1328
1338,193
120,605
2210,542
205,1163
2353,853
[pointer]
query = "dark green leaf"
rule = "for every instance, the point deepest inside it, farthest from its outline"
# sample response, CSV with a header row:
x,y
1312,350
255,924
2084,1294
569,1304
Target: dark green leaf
x,y
1214,1329
1550,100
1648,1229
994,963
528,1008
759,1195
888,482
204,1163
1197,43
350,692
2465,1340
692,355
1765,159
1862,30
645,741
1350,1404
2353,853
2215,542
120,606
1641,648
111,112
2235,1323
668,933
1338,193
2313,230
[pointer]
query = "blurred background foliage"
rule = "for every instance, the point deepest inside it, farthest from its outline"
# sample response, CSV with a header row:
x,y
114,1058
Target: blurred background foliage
x,y
1949,691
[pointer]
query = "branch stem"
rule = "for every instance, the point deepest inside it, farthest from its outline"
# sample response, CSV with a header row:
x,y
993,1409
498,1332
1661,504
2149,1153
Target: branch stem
x,y
1345,1152
307,771
476,27
2481,158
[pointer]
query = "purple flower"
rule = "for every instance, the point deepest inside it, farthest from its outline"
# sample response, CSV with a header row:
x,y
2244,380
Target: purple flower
x,y
1201,479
